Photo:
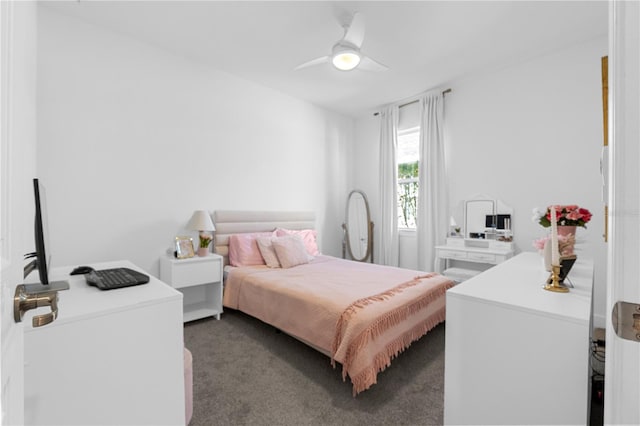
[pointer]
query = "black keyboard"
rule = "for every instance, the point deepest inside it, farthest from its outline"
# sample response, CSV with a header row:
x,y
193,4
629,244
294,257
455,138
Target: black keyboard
x,y
109,279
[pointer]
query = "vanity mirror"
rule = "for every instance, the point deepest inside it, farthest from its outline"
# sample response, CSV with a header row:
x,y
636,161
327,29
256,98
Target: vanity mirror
x,y
486,240
475,214
357,238
487,218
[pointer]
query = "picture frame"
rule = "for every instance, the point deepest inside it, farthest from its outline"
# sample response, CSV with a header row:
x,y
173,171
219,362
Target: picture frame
x,y
184,247
566,263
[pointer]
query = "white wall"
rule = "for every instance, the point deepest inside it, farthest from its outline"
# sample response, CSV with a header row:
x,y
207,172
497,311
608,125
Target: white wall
x,y
133,139
529,134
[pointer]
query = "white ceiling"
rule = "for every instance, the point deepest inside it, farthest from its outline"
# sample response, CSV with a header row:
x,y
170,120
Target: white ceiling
x,y
426,44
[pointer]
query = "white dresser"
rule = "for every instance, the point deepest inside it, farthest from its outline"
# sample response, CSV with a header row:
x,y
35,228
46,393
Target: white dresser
x,y
516,353
111,358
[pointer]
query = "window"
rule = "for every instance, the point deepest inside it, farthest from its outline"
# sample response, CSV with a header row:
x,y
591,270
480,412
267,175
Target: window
x,y
407,158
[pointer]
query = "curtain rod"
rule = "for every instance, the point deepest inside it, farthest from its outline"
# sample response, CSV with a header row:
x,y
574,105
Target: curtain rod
x,y
444,92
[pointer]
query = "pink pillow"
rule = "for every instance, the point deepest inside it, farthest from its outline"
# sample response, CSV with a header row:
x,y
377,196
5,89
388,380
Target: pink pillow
x,y
243,249
290,250
309,238
268,252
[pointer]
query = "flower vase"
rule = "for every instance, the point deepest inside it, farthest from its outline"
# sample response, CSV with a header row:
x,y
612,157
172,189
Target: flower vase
x,y
567,230
203,251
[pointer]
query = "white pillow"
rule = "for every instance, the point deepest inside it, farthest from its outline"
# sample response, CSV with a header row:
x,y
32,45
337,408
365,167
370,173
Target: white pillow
x,y
268,252
290,250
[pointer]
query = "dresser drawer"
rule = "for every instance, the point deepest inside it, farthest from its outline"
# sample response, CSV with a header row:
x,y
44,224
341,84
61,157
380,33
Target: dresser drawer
x,y
453,254
190,274
482,257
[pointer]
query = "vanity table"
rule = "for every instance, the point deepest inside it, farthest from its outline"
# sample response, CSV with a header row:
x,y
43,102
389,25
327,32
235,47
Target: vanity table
x,y
486,252
485,240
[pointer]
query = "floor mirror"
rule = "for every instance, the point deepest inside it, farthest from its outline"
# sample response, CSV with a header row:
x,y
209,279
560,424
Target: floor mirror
x,y
357,240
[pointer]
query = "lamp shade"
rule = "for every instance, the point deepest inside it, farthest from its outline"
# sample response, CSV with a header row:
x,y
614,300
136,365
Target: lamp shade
x,y
201,221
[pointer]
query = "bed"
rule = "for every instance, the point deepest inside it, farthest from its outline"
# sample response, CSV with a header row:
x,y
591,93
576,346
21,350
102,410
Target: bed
x,y
360,315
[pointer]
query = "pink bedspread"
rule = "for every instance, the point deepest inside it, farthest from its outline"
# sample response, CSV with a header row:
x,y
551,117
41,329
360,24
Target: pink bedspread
x,y
360,314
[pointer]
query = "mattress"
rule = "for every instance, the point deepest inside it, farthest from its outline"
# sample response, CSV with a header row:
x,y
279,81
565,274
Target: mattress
x,y
361,315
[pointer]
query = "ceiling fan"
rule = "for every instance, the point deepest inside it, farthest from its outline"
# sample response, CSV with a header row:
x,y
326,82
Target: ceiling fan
x,y
345,54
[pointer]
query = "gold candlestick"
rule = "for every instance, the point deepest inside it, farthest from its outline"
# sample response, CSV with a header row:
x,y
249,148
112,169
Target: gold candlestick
x,y
555,281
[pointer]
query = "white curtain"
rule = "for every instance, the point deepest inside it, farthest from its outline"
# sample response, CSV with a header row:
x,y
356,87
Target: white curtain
x,y
433,208
389,254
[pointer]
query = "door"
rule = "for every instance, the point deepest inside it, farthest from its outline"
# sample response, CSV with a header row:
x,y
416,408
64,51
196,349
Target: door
x,y
17,168
622,367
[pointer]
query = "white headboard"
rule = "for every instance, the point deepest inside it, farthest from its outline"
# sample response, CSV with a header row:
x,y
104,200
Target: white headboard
x,y
229,222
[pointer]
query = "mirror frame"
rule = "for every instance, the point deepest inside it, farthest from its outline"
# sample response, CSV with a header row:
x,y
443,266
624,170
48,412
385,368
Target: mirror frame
x,y
346,245
499,208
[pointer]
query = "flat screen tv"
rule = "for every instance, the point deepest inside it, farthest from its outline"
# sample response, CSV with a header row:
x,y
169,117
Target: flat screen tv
x,y
42,256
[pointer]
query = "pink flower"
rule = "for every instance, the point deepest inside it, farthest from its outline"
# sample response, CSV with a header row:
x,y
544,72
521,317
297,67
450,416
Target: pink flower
x,y
569,215
565,244
540,242
574,215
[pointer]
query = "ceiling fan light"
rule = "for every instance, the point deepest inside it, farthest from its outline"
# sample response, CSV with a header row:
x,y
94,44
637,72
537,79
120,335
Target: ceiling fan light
x,y
346,60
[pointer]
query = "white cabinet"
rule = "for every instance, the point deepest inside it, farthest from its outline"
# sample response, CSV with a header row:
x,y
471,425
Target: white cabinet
x,y
200,281
487,252
516,353
110,358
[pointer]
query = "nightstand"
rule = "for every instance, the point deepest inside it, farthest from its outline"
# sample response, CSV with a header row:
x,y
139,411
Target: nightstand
x,y
199,279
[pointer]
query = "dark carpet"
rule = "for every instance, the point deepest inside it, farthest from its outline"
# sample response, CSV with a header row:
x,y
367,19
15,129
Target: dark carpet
x,y
246,372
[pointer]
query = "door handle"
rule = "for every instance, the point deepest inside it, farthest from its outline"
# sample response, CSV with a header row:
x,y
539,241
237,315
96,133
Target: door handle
x,y
24,301
625,318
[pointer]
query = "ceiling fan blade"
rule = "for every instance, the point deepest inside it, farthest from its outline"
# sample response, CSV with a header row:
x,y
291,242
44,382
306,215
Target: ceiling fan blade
x,y
312,62
368,64
355,32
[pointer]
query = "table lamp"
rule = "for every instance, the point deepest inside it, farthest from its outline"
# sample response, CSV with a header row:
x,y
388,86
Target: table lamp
x,y
454,231
201,221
